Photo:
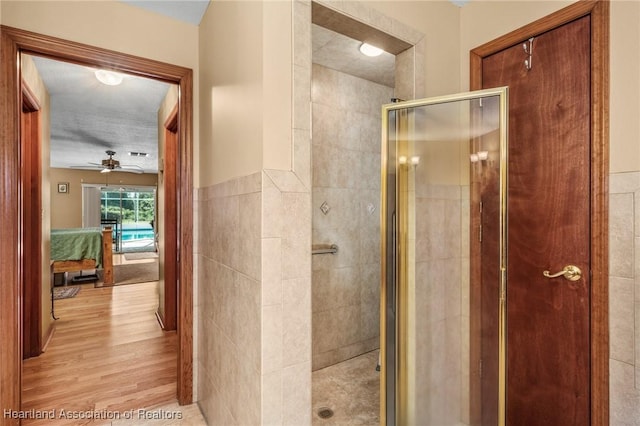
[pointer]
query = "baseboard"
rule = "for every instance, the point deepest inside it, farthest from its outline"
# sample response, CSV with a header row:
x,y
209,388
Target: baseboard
x,y
48,336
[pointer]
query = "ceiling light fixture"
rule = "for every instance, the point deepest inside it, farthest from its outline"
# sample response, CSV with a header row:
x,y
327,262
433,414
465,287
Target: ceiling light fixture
x,y
369,50
109,78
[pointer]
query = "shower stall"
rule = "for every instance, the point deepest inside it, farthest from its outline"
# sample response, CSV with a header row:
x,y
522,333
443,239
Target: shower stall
x,y
443,254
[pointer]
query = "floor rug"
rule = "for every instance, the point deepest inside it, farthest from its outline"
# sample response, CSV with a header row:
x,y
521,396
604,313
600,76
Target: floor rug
x,y
134,273
141,255
65,292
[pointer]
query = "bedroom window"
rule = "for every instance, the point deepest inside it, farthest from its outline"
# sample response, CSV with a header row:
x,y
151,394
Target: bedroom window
x,y
132,212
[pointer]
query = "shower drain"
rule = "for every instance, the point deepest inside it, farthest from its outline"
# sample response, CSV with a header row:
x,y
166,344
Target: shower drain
x,y
325,413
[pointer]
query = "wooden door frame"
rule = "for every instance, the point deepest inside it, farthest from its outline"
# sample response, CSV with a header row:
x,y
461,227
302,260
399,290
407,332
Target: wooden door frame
x,y
171,213
598,10
13,42
31,175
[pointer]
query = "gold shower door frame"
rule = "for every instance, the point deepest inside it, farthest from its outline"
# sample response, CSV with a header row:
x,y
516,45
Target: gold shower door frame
x,y
403,271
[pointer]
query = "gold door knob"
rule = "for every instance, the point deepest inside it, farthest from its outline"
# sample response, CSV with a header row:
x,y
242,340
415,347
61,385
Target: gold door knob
x,y
570,272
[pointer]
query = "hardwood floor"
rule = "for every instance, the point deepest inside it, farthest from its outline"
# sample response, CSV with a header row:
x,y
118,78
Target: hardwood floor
x,y
108,356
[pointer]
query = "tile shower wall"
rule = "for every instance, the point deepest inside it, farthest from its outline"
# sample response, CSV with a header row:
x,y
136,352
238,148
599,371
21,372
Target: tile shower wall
x,y
441,304
346,180
229,301
624,298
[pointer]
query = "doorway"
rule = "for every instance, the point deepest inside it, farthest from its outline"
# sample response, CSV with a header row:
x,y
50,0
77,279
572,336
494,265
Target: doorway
x,y
14,42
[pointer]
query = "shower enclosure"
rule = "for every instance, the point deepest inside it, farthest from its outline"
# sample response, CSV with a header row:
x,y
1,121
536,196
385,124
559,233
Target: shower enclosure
x,y
444,260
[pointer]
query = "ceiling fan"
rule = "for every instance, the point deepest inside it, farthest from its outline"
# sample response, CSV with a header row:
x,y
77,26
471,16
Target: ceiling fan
x,y
110,164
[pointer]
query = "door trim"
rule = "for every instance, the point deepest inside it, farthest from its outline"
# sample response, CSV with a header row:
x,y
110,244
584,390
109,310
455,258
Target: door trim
x,y
12,42
598,10
168,314
31,175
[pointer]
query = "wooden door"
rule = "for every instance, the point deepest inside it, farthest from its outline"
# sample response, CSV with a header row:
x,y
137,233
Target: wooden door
x,y
548,319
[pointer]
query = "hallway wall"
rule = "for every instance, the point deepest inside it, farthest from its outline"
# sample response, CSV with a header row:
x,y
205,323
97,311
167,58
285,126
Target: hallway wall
x,y
246,79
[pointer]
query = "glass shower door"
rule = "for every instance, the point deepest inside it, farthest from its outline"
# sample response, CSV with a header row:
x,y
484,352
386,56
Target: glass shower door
x,y
444,260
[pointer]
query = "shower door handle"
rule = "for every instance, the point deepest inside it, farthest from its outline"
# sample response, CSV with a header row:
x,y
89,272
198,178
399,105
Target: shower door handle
x,y
570,272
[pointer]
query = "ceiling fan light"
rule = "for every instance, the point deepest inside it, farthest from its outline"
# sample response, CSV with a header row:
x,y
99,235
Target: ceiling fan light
x,y
109,78
105,170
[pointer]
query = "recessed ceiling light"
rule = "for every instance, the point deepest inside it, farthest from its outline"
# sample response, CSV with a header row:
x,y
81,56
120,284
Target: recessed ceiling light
x,y
369,50
109,78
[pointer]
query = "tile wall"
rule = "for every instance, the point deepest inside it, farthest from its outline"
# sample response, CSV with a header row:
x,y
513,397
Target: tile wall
x,y
346,180
624,298
229,299
286,299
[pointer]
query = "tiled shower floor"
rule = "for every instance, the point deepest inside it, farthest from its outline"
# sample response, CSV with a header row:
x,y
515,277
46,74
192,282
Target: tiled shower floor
x,y
351,389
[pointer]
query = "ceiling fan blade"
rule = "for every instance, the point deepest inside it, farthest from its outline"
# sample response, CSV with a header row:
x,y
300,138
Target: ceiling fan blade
x,y
131,168
90,167
126,170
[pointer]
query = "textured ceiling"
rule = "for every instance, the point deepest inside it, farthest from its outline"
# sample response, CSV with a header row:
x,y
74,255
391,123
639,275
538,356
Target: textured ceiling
x,y
339,52
88,117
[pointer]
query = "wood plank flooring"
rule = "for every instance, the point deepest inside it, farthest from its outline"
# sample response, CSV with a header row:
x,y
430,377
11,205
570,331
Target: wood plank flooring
x,y
108,355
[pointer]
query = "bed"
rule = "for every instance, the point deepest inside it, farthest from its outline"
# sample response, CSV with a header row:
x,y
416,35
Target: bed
x,y
78,249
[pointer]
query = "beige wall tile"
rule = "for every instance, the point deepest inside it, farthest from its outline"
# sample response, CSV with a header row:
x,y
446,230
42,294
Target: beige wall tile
x,y
625,398
302,97
272,402
272,213
405,74
301,34
271,271
620,183
624,285
302,156
296,391
621,225
286,181
230,298
249,236
296,242
296,327
621,319
272,339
